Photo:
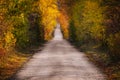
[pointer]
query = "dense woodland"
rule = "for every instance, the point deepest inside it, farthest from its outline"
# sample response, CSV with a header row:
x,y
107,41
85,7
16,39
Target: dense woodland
x,y
92,25
95,22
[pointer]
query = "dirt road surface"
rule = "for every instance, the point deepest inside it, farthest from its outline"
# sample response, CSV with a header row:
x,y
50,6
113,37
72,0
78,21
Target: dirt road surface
x,y
59,60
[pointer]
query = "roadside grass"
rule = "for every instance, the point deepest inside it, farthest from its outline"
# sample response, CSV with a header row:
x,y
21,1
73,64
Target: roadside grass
x,y
11,63
102,60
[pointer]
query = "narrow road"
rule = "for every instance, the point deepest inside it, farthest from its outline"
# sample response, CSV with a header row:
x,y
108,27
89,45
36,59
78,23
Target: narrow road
x,y
59,61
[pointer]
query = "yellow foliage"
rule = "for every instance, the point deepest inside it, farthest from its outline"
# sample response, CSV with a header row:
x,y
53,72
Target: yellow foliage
x,y
49,13
93,11
9,40
64,22
10,64
89,21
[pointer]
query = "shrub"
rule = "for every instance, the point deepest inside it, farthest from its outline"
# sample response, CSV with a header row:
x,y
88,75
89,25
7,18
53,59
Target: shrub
x,y
114,46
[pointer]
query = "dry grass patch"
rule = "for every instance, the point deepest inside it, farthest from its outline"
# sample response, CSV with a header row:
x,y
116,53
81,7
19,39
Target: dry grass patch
x,y
10,64
102,60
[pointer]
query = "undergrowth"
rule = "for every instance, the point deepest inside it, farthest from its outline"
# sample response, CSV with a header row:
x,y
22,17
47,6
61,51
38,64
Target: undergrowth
x,y
103,61
11,63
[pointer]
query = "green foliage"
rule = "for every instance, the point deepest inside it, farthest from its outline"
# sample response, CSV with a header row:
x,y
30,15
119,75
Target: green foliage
x,y
72,31
93,19
21,28
26,22
16,25
114,45
113,28
96,22
88,21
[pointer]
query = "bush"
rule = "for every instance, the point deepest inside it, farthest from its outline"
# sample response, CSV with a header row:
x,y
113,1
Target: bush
x,y
87,18
114,46
21,31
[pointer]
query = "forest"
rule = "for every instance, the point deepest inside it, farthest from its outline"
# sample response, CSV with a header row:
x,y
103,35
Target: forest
x,y
93,26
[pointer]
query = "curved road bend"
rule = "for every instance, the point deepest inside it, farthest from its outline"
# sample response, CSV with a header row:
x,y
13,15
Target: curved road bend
x,y
59,61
